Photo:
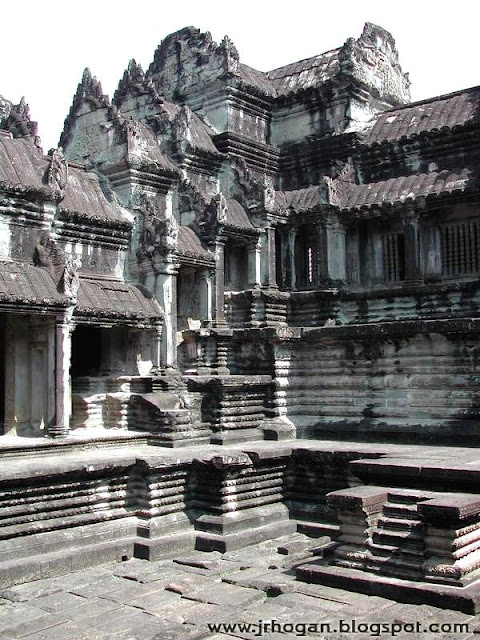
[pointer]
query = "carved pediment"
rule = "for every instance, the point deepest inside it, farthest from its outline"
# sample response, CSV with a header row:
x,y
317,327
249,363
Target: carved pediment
x,y
159,233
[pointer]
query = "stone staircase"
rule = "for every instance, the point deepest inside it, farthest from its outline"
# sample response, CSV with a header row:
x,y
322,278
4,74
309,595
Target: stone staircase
x,y
411,543
397,541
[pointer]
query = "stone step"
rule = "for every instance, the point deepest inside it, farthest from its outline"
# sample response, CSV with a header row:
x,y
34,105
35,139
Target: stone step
x,y
398,538
318,529
399,524
174,417
396,568
406,511
409,496
465,599
386,550
395,561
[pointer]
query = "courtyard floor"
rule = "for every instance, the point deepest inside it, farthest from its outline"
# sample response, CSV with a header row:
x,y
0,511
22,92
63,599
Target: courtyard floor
x,y
216,596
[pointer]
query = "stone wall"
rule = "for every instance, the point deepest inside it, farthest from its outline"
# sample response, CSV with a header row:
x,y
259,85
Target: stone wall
x,y
420,386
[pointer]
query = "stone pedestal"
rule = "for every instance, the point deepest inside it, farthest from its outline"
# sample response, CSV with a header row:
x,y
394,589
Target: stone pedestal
x,y
160,494
235,406
239,500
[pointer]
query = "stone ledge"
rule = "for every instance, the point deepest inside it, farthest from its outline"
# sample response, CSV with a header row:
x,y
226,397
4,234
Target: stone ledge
x,y
451,508
357,497
466,599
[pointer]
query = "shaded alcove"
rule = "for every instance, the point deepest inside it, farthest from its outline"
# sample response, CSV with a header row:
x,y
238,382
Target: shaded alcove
x,y
188,297
86,351
236,267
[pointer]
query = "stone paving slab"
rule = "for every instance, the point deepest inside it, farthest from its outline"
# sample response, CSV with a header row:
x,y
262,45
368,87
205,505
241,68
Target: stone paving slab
x,y
131,591
92,607
104,586
59,602
224,595
68,631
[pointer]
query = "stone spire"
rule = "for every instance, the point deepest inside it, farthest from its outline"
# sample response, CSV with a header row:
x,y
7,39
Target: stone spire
x,y
134,83
89,90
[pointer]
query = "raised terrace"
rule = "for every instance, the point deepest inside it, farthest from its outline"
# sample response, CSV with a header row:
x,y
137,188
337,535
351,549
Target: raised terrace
x,y
237,306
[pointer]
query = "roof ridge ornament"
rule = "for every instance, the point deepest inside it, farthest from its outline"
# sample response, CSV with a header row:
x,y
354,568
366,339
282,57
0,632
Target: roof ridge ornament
x,y
230,52
57,172
372,60
62,267
19,122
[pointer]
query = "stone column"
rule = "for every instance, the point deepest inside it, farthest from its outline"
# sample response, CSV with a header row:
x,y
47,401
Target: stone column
x,y
63,356
413,270
337,264
288,258
254,255
292,235
271,259
219,308
166,294
157,353
329,254
205,279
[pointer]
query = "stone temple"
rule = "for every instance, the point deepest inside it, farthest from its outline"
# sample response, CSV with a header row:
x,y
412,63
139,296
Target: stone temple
x,y
237,305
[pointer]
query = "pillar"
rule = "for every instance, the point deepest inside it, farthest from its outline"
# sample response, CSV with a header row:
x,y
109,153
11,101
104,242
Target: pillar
x,y
157,349
219,308
413,270
330,254
63,356
205,285
271,257
254,257
166,294
221,354
288,258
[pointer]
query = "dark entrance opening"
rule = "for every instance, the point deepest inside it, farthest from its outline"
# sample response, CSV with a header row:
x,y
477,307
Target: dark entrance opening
x,y
86,351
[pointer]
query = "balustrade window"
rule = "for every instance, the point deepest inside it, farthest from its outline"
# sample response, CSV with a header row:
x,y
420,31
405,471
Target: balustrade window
x,y
393,257
305,256
460,248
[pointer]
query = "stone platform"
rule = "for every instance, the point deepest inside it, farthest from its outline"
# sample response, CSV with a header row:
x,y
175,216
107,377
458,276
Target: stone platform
x,y
405,514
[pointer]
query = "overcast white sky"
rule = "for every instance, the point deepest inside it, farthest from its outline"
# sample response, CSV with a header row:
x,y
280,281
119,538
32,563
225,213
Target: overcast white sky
x,y
45,45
